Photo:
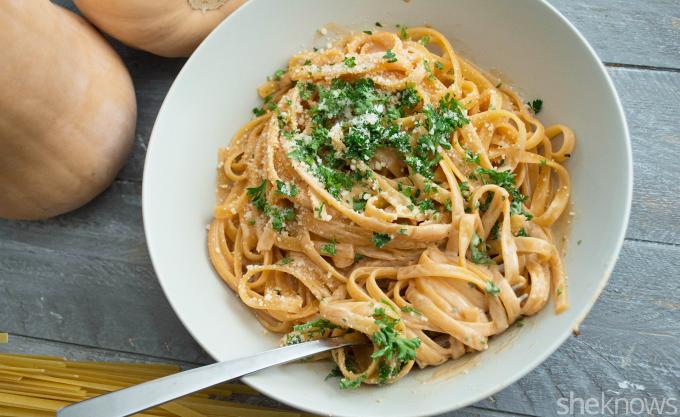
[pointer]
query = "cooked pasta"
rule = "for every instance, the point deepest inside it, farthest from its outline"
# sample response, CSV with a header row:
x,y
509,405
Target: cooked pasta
x,y
390,187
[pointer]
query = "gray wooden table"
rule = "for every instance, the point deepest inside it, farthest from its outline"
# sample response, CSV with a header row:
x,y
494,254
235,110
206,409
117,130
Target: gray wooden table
x,y
81,285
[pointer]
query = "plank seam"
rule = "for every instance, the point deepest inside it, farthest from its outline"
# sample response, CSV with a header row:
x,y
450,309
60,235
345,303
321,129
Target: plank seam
x,y
640,67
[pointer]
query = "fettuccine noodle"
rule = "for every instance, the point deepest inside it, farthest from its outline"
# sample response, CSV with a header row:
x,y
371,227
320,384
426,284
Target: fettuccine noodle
x,y
391,187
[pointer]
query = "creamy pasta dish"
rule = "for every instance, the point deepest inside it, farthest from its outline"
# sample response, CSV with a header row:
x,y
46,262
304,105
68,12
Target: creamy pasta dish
x,y
390,187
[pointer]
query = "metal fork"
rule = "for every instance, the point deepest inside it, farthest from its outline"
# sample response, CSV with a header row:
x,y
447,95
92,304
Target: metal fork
x,y
141,397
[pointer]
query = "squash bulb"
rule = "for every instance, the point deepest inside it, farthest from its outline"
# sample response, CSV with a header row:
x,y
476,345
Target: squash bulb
x,y
68,110
170,28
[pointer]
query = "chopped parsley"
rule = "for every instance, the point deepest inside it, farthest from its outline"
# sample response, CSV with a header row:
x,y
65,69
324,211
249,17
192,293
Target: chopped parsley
x,y
359,204
394,351
403,33
390,56
428,68
307,62
368,32
491,288
522,233
425,40
471,157
319,210
447,206
439,65
258,195
278,74
543,162
426,205
519,322
346,383
535,105
350,62
334,373
329,248
285,261
493,234
380,239
378,24
318,325
478,251
504,179
516,208
279,216
289,190
410,310
258,111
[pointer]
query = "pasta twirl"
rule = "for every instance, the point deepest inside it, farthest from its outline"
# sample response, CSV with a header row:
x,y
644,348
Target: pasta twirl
x,y
392,188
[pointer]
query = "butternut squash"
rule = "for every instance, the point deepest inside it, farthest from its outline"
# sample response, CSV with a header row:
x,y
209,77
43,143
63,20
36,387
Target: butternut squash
x,y
68,110
170,28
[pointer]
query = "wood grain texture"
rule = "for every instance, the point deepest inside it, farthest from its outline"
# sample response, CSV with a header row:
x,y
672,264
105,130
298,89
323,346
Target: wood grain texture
x,y
28,345
82,284
633,32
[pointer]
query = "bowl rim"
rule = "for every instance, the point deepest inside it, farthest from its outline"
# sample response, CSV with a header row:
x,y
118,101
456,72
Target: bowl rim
x,y
528,366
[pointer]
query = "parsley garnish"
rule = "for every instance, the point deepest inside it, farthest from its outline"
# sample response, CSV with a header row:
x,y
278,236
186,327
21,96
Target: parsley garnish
x,y
403,33
410,310
350,62
536,105
522,233
286,260
359,204
478,251
428,68
329,248
516,208
318,325
307,62
368,32
493,234
278,74
258,195
471,157
289,190
334,373
258,111
352,383
543,162
425,40
394,351
491,288
280,217
439,65
380,239
378,24
505,179
319,210
426,205
390,56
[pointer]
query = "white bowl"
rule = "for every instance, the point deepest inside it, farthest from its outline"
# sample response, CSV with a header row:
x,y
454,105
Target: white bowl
x,y
535,49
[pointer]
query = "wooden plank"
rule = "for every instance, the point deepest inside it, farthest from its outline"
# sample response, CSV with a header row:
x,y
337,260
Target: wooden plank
x,y
650,99
628,32
27,345
630,337
81,304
